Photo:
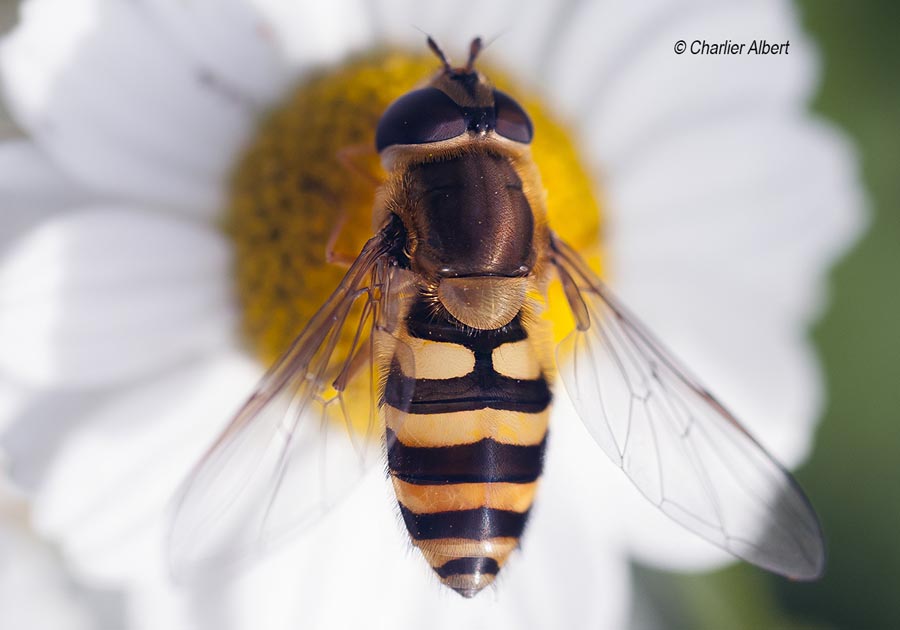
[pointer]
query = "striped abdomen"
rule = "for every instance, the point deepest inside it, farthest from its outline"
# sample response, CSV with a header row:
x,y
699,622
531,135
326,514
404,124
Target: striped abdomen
x,y
466,455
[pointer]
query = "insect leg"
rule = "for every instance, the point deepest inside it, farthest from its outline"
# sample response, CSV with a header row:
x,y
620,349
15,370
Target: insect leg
x,y
351,158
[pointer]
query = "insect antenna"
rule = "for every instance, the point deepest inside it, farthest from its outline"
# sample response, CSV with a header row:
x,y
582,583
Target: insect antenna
x,y
474,49
437,51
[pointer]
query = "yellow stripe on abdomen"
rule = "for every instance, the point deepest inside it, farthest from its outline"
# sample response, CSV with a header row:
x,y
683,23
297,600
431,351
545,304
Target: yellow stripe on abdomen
x,y
428,499
466,427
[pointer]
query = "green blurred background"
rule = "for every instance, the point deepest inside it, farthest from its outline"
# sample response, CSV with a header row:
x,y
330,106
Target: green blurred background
x,y
854,475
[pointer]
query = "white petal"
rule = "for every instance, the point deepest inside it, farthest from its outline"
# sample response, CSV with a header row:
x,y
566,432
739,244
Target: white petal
x,y
232,41
105,295
647,92
153,603
724,259
316,33
759,158
13,398
31,189
106,493
34,589
765,221
596,39
37,425
103,89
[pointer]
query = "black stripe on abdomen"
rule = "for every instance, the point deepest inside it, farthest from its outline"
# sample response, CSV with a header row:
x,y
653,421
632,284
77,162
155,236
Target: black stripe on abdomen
x,y
485,461
423,322
468,566
478,524
480,389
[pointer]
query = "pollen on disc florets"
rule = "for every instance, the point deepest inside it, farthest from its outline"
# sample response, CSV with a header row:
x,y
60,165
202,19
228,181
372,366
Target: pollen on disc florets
x,y
289,190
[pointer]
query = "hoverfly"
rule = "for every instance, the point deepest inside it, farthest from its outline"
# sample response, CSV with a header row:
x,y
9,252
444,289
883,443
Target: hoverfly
x,y
446,361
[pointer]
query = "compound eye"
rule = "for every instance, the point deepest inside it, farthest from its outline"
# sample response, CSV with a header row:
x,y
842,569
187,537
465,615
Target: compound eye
x,y
426,115
512,121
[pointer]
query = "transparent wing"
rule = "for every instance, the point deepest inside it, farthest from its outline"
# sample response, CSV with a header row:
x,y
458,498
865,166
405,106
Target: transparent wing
x,y
685,452
285,458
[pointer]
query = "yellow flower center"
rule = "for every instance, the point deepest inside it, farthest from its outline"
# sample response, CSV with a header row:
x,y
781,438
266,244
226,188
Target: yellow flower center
x,y
290,188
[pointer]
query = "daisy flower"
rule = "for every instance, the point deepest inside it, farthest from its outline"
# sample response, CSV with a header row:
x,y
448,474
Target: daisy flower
x,y
164,227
